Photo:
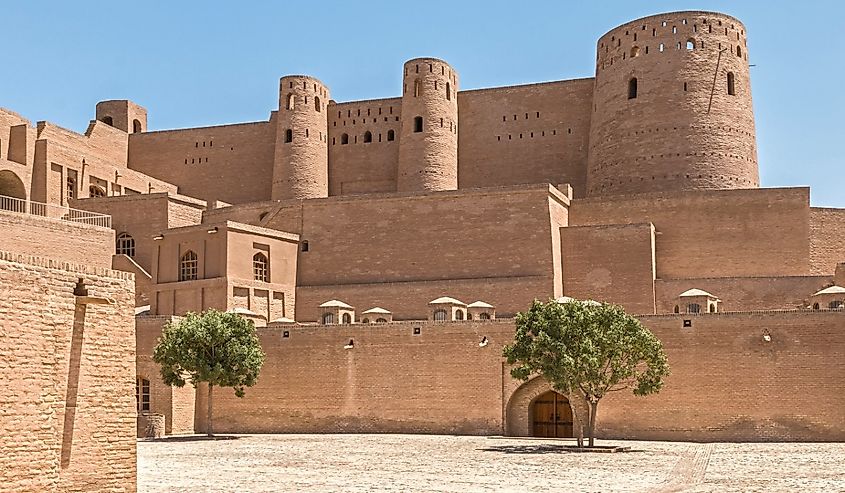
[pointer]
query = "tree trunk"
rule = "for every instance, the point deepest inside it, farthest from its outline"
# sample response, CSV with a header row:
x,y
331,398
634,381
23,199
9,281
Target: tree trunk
x,y
577,417
209,418
593,409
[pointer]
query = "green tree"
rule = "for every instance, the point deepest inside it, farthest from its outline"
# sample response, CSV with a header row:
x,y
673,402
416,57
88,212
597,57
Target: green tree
x,y
221,349
587,349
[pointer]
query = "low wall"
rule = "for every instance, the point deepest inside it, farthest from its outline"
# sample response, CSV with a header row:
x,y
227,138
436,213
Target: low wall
x,y
727,382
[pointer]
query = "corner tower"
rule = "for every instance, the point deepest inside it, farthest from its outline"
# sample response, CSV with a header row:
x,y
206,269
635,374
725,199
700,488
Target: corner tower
x,y
300,167
672,107
123,115
428,143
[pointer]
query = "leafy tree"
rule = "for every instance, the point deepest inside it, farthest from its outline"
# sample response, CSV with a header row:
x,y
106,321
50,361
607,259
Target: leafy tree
x,y
587,349
218,348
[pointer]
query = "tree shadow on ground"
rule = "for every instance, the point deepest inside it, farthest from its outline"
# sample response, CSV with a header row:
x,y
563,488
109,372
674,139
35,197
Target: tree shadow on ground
x,y
190,438
546,448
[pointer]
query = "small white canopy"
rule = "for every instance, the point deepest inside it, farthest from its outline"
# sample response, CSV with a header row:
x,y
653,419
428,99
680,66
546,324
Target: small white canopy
x,y
142,309
243,311
283,320
378,310
695,292
480,304
831,290
335,304
445,300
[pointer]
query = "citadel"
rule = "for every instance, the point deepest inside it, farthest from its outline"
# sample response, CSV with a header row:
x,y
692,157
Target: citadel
x,y
383,247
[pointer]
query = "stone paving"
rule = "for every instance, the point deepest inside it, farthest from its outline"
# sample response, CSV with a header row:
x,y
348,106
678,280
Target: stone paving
x,y
428,463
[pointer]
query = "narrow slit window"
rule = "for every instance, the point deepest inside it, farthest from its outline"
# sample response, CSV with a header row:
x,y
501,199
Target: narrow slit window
x,y
632,88
731,84
418,124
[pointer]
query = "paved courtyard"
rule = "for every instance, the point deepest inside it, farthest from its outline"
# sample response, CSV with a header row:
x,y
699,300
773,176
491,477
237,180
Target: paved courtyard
x,y
424,463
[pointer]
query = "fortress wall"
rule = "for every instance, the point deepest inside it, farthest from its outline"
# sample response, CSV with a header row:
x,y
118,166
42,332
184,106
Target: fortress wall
x,y
534,133
737,233
232,163
743,293
68,410
359,167
727,383
611,264
827,239
421,237
409,300
439,381
56,239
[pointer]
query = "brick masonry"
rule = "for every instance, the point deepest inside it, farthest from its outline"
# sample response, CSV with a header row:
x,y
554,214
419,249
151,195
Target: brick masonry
x,y
68,369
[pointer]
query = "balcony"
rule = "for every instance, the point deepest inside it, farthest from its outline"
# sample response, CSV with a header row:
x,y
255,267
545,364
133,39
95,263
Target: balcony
x,y
22,206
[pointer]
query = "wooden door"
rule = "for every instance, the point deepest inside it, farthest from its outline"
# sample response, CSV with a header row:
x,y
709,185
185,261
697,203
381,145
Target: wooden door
x,y
552,416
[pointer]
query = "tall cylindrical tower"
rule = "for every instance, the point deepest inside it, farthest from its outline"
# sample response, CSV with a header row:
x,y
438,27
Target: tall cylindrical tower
x,y
300,168
428,143
672,107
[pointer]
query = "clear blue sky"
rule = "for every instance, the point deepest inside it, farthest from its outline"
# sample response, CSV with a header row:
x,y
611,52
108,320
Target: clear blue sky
x,y
203,63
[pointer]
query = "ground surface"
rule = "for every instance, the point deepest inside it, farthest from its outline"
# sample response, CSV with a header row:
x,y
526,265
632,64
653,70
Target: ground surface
x,y
405,463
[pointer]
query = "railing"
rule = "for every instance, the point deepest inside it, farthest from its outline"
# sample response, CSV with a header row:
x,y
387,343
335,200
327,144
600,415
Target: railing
x,y
23,206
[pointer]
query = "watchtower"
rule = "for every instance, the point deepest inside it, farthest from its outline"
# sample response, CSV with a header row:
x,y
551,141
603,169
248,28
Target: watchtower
x,y
428,144
123,115
300,167
672,107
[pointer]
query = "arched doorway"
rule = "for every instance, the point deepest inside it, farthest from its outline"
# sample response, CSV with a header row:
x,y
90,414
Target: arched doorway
x,y
551,416
12,186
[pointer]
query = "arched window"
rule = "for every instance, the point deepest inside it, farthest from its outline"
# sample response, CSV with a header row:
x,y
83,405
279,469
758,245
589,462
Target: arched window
x,y
347,318
107,120
459,315
739,51
304,246
690,44
368,137
290,102
835,304
288,135
365,321
632,88
142,394
136,126
344,139
125,245
390,135
96,191
635,51
731,84
317,103
448,92
71,188
188,266
677,309
469,316
260,267
381,320
440,315
418,124
711,308
328,318
693,308
815,306
484,316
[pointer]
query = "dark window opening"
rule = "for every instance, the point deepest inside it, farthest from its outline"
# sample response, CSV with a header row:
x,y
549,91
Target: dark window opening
x,y
288,135
344,139
632,88
418,124
731,84
368,137
390,135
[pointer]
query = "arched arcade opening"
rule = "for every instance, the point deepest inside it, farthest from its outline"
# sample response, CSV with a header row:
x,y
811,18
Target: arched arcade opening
x,y
12,192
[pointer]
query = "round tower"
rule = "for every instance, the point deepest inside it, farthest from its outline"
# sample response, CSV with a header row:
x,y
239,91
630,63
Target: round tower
x,y
672,107
300,168
428,143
